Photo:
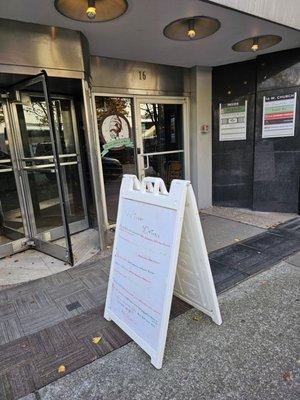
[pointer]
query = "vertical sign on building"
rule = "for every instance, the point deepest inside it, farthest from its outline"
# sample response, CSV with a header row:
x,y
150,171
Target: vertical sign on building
x,y
279,115
233,120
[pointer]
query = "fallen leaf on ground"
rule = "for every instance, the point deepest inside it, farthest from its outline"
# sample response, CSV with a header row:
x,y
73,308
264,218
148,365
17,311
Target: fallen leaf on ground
x,y
197,317
61,369
96,339
288,376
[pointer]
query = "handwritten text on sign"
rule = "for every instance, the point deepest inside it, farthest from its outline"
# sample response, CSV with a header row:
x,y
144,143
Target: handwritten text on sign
x,y
142,258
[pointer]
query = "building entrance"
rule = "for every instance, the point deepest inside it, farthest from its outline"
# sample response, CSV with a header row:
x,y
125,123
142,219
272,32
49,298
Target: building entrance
x,y
146,136
42,197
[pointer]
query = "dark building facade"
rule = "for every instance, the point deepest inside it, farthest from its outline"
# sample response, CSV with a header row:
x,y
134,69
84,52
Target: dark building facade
x,y
258,173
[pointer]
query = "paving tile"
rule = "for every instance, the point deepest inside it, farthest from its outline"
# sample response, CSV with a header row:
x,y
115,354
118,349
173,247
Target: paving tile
x,y
292,226
99,294
88,324
284,249
51,340
56,279
106,261
249,265
105,345
115,336
84,298
178,307
73,357
233,254
30,303
13,353
65,289
264,241
80,270
95,280
10,329
7,310
6,390
4,297
21,380
41,319
220,271
22,290
230,282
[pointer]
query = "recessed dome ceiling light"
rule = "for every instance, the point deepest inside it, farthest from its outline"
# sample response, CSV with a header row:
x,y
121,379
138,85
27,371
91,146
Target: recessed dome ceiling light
x,y
91,10
257,43
192,28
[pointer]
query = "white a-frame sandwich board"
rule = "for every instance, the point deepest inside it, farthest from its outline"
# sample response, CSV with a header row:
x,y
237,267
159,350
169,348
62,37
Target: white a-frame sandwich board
x,y
158,236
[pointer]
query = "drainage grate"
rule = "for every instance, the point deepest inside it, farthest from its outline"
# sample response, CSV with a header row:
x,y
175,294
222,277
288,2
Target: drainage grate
x,y
73,306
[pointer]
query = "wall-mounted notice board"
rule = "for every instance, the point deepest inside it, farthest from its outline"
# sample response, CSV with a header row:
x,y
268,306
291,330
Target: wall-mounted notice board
x,y
158,233
233,121
279,114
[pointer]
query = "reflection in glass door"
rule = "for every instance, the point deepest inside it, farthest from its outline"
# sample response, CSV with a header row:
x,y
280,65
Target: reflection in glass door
x,y
161,137
11,220
117,145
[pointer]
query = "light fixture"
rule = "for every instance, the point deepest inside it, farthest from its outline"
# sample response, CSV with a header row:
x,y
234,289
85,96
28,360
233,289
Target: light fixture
x,y
256,43
91,10
255,46
192,28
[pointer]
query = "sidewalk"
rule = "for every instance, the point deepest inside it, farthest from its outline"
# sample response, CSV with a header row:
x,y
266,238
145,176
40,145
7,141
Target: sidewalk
x,y
51,321
252,355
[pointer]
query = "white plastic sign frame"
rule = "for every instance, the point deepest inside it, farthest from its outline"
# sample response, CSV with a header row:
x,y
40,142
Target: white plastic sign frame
x,y
140,305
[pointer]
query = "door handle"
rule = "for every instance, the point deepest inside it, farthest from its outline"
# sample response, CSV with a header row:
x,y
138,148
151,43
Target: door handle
x,y
147,163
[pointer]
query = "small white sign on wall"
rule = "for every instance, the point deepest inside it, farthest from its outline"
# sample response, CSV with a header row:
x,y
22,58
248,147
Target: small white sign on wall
x,y
233,121
158,236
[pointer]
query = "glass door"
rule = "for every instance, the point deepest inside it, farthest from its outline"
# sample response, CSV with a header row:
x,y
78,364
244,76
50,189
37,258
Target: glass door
x,y
12,227
47,167
160,138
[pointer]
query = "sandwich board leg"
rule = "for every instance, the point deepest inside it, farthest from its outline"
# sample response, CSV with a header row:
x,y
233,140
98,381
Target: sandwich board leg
x,y
106,315
217,318
156,362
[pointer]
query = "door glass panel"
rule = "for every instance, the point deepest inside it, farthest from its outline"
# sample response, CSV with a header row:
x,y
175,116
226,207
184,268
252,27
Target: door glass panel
x,y
166,166
161,127
115,126
11,224
36,141
162,132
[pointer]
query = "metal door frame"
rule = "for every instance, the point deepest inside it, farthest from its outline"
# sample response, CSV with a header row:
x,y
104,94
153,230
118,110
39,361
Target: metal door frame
x,y
82,224
136,121
35,240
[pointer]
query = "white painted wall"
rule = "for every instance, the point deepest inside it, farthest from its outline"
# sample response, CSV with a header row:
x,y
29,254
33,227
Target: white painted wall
x,y
286,12
201,143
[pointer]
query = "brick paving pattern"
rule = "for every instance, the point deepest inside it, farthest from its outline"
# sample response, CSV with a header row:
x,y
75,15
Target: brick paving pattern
x,y
51,321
